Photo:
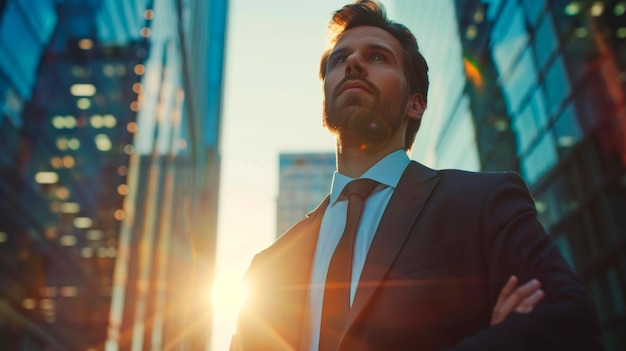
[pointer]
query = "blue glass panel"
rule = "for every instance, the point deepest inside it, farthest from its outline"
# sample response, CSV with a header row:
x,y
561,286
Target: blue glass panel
x,y
21,49
538,105
525,129
533,8
492,8
509,38
521,80
540,159
557,84
545,41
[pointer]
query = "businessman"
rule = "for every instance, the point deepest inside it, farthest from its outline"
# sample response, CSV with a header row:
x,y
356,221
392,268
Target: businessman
x,y
400,256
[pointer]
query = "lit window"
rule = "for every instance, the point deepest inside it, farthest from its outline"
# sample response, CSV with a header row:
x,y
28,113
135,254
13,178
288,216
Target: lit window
x,y
62,143
73,144
139,69
621,32
62,193
69,291
96,121
46,177
46,304
68,161
571,9
56,161
29,304
122,189
119,215
134,106
85,44
48,291
58,122
471,32
103,143
137,88
131,127
109,121
83,90
597,9
145,32
619,8
148,14
102,252
86,252
70,122
94,234
83,103
129,149
3,237
83,222
70,207
67,240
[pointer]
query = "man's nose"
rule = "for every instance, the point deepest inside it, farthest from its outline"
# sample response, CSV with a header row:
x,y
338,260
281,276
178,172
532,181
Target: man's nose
x,y
355,64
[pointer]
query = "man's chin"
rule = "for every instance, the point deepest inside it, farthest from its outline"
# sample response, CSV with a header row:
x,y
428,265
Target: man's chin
x,y
370,127
363,128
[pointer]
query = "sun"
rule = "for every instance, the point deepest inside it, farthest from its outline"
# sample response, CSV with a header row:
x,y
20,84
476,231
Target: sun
x,y
228,294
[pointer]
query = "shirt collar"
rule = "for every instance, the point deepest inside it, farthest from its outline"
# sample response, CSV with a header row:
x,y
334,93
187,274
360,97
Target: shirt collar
x,y
386,171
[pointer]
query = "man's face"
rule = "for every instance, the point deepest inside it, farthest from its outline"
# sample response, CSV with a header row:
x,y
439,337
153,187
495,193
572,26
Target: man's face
x,y
365,89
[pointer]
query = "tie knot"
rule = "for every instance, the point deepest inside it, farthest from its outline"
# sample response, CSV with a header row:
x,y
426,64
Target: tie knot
x,y
360,187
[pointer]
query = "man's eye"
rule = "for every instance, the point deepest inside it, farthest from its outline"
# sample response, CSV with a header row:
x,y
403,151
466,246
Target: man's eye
x,y
340,59
378,57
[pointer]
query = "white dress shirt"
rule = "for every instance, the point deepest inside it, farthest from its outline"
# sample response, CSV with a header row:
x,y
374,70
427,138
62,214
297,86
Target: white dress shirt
x,y
387,172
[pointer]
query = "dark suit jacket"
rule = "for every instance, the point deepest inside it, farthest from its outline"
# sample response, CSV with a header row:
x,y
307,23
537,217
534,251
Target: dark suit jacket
x,y
446,245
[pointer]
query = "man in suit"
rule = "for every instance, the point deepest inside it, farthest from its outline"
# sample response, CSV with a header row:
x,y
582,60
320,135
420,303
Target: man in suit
x,y
433,249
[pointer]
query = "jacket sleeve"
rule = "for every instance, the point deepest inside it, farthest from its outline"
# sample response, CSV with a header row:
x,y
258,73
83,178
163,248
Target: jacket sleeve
x,y
514,242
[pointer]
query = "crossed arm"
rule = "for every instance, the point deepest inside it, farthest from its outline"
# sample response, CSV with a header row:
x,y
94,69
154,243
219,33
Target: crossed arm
x,y
520,299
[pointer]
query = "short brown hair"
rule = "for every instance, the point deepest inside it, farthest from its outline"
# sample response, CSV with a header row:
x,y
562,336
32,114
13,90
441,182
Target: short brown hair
x,y
372,13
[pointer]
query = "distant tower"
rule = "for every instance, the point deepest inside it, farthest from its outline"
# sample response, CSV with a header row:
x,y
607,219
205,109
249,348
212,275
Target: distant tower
x,y
304,180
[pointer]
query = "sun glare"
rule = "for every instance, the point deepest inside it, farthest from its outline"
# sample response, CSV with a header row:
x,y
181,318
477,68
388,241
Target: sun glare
x,y
228,295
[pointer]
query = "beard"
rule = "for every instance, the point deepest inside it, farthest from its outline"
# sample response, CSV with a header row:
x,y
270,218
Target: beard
x,y
362,120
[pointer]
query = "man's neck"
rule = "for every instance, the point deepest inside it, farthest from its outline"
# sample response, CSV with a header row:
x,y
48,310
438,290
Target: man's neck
x,y
353,162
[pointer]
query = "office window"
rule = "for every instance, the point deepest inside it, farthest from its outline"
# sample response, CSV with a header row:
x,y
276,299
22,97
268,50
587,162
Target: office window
x,y
538,105
509,37
557,84
525,129
540,159
533,9
517,86
545,41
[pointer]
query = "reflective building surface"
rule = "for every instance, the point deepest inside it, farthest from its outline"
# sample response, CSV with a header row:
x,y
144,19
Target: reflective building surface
x,y
109,170
304,180
543,85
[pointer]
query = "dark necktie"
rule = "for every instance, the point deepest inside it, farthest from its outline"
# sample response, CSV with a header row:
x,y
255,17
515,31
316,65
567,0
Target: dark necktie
x,y
336,304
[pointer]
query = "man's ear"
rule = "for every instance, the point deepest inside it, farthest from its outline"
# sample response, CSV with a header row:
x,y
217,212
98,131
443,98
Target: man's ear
x,y
416,106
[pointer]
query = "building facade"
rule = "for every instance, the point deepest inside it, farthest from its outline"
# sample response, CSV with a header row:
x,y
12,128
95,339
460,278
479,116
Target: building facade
x,y
542,83
304,180
109,170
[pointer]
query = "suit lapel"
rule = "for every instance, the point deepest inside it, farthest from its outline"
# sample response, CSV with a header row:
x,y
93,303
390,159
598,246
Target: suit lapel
x,y
403,209
302,252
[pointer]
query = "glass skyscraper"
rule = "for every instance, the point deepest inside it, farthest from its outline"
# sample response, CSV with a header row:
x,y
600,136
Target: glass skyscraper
x,y
542,83
109,168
